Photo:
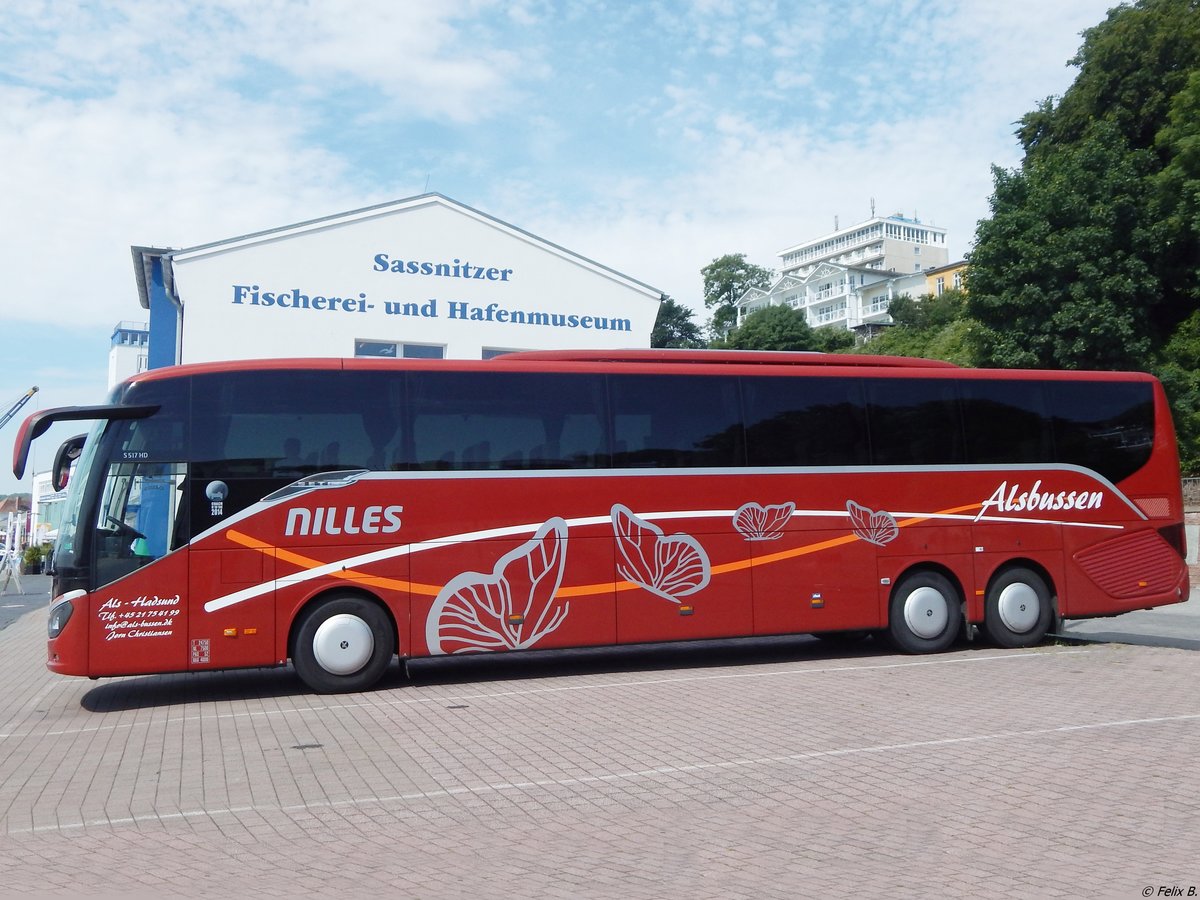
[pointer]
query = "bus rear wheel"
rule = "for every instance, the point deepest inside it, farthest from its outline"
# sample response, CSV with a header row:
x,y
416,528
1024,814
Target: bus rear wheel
x,y
343,644
925,613
1017,612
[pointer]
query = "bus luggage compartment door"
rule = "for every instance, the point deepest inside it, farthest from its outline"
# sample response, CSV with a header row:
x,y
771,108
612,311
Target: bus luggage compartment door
x,y
232,622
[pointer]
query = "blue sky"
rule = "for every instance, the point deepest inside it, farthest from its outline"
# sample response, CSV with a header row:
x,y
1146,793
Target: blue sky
x,y
651,137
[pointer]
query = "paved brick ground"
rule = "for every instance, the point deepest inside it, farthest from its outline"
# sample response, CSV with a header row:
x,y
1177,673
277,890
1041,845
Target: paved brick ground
x,y
725,770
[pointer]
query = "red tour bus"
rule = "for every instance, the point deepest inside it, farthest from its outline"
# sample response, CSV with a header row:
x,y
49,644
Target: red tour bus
x,y
340,512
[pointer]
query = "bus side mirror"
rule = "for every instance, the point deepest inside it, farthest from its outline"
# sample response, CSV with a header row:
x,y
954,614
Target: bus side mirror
x,y
63,459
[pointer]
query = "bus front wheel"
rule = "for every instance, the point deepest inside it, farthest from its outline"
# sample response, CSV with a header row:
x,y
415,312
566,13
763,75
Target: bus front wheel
x,y
343,644
1018,611
925,613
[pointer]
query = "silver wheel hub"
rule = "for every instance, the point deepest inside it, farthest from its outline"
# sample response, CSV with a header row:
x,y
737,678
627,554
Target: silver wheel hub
x,y
1019,607
926,612
343,644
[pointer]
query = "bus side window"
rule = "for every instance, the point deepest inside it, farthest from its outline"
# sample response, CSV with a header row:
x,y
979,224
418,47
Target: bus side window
x,y
279,424
805,422
672,421
1006,422
1104,426
478,455
914,421
505,420
581,443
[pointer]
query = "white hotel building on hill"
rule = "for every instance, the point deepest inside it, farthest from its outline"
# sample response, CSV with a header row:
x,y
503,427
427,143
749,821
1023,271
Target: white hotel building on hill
x,y
849,277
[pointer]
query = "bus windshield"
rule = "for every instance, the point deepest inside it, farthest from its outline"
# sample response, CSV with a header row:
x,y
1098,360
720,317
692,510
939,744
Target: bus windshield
x,y
65,556
123,500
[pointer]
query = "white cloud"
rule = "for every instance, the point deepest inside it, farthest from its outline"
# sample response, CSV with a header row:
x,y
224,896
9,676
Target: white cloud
x,y
123,125
1021,48
182,122
757,188
426,57
83,180
419,54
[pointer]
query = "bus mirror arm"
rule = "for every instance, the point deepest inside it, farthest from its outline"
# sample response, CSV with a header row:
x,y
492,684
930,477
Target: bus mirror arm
x,y
38,423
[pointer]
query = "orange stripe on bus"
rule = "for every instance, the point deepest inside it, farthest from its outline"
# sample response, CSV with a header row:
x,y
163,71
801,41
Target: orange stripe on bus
x,y
305,562
579,590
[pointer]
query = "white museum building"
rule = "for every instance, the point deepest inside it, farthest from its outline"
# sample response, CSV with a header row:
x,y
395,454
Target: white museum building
x,y
425,277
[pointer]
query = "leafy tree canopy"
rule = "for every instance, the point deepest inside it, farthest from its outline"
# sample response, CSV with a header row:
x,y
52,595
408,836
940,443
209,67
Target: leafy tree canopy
x,y
726,278
772,328
1180,374
929,326
1090,256
928,310
1176,197
1061,275
674,327
832,339
1131,66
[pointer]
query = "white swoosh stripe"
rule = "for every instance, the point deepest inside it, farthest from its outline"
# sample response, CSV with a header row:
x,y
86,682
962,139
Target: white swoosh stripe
x,y
365,559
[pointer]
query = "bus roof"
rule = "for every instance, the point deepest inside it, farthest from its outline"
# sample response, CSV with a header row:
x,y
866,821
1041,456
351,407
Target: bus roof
x,y
706,361
727,357
696,358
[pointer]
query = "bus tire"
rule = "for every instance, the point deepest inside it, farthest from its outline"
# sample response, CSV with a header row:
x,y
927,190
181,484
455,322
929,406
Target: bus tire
x,y
925,613
1017,611
343,644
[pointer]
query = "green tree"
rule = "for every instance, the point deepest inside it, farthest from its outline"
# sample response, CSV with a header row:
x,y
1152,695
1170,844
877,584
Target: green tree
x,y
929,326
1090,257
1180,374
674,327
726,278
771,328
1176,201
929,311
1131,66
1060,275
832,339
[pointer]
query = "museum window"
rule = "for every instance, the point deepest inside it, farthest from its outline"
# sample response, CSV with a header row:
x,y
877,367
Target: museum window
x,y
423,351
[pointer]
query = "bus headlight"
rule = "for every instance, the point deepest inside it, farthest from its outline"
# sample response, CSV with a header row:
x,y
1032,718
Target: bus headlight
x,y
60,614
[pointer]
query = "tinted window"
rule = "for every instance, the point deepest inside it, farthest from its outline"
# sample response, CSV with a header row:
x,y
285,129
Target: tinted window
x,y
913,422
805,422
279,424
162,436
1106,426
674,421
1006,422
289,424
506,420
